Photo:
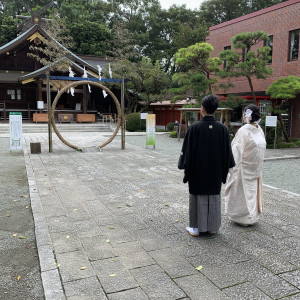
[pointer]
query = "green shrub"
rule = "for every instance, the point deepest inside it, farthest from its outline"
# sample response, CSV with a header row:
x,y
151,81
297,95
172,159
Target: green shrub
x,y
297,143
173,134
134,122
285,145
170,126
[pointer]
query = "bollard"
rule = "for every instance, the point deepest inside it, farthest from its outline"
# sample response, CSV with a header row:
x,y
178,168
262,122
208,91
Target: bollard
x,y
35,148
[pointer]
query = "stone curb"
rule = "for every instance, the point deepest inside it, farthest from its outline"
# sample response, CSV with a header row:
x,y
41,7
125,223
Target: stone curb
x,y
53,289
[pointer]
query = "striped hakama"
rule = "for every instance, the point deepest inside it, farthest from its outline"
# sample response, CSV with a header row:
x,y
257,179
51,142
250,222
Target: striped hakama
x,y
205,212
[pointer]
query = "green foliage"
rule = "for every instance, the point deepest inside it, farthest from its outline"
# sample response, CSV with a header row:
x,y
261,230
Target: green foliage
x,y
8,30
147,82
134,122
253,64
196,69
170,126
284,88
287,145
90,38
173,134
232,102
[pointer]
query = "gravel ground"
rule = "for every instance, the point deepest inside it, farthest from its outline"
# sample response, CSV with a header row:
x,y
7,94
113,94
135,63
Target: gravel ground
x,y
283,174
20,271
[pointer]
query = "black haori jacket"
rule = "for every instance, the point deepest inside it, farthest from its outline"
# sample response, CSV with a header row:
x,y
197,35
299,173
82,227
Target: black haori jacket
x,y
206,156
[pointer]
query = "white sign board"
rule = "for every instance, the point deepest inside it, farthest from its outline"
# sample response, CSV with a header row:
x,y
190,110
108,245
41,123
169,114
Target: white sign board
x,y
15,131
144,116
271,121
150,130
40,104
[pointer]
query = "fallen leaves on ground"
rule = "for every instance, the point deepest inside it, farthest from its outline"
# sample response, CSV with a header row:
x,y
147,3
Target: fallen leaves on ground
x,y
199,268
18,278
111,227
107,241
67,237
112,275
82,268
22,237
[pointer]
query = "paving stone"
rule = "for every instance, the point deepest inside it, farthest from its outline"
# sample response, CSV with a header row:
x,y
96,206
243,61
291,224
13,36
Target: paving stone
x,y
71,264
87,228
113,275
54,210
245,291
98,247
292,277
134,294
87,288
172,263
272,285
156,283
221,274
66,242
197,287
46,257
52,285
117,233
59,224
133,222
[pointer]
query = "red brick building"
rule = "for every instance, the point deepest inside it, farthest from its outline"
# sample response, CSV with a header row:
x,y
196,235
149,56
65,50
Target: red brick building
x,y
282,23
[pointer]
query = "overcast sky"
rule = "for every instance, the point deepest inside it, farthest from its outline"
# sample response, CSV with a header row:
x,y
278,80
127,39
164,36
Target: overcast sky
x,y
191,4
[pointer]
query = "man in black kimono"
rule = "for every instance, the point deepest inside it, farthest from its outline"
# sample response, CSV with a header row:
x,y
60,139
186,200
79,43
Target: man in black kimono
x,y
206,157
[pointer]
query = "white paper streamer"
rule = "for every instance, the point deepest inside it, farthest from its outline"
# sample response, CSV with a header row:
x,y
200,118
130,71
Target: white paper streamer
x,y
104,93
99,71
109,71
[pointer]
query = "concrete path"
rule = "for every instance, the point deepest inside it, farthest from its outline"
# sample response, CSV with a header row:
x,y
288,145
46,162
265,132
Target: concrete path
x,y
111,225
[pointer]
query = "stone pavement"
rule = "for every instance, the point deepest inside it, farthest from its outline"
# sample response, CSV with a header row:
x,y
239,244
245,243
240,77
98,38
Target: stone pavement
x,y
111,225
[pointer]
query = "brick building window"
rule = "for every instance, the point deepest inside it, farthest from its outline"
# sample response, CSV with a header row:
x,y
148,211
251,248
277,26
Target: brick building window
x,y
226,48
245,51
264,107
294,44
269,43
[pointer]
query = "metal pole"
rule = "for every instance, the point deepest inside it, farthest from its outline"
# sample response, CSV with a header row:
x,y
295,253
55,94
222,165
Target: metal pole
x,y
122,114
49,111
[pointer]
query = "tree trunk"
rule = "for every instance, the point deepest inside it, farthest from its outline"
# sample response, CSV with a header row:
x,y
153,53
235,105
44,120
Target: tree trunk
x,y
251,88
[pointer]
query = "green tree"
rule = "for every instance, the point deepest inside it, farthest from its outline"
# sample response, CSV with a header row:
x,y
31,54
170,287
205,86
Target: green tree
x,y
8,30
90,37
197,70
147,82
284,88
247,62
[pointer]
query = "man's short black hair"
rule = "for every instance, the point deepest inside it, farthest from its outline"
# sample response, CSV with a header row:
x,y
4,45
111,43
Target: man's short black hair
x,y
210,103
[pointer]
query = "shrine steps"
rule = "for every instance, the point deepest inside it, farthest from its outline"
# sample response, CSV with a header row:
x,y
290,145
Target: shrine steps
x,y
65,127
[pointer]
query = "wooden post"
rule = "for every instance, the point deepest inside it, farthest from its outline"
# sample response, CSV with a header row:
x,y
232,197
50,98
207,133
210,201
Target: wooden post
x,y
180,122
226,118
49,110
84,100
122,114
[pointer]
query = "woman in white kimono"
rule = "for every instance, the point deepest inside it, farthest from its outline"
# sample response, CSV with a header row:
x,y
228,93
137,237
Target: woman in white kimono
x,y
243,192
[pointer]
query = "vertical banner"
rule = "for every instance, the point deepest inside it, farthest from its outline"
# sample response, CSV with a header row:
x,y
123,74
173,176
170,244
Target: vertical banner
x,y
150,130
15,131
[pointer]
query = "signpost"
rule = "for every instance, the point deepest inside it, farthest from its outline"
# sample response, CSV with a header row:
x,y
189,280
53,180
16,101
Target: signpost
x,y
271,121
15,131
150,130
